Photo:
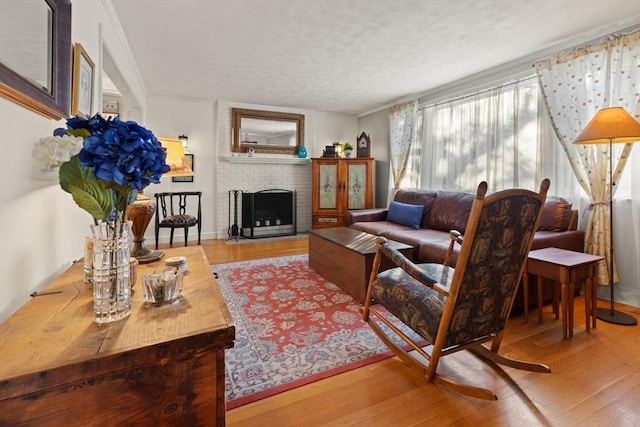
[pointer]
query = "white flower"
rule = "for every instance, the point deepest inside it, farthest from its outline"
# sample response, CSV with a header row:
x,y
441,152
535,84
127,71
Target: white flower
x,y
51,152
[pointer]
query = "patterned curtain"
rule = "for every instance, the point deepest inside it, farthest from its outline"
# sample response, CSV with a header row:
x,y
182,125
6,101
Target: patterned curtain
x,y
575,86
401,135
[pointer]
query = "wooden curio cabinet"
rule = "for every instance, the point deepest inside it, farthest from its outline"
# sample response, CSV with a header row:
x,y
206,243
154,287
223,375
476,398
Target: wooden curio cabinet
x,y
339,185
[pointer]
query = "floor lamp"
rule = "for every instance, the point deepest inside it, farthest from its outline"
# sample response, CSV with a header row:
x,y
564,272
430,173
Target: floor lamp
x,y
611,126
142,209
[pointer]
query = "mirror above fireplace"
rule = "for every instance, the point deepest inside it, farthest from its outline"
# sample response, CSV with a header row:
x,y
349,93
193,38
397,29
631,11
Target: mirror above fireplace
x,y
266,131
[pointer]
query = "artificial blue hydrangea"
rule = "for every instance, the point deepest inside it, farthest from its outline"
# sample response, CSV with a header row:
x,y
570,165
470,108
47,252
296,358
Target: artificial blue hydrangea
x,y
122,152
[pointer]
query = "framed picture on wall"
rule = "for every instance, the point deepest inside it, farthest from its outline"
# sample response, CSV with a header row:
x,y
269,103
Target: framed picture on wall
x,y
83,77
188,159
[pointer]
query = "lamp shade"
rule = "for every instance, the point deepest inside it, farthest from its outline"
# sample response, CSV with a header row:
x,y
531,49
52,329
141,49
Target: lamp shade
x,y
175,157
610,125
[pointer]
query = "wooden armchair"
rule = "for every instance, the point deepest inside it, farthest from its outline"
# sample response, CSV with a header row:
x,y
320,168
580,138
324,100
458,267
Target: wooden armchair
x,y
173,210
459,308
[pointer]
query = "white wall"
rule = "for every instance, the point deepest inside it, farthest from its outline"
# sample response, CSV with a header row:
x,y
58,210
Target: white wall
x,y
42,229
376,125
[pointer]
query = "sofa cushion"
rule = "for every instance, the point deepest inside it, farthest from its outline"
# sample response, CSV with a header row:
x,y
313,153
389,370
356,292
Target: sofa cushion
x,y
556,215
405,214
429,245
379,228
408,235
450,211
417,197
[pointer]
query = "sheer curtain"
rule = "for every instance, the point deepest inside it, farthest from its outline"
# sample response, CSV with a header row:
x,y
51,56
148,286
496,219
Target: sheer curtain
x,y
575,86
493,135
401,137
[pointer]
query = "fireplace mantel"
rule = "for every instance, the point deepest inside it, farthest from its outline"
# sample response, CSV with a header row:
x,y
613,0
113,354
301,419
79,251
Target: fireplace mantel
x,y
257,159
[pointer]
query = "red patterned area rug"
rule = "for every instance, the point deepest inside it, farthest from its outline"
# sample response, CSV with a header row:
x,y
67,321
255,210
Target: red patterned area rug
x,y
293,327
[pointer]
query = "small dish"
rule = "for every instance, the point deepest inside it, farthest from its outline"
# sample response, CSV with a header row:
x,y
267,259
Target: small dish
x,y
162,287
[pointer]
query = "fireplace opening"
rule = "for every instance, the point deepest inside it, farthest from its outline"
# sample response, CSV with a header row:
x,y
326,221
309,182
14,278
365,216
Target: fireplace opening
x,y
269,213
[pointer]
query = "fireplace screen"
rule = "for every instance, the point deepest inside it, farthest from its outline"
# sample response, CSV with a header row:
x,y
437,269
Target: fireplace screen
x,y
269,213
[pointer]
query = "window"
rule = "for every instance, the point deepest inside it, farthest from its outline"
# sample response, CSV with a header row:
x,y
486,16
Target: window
x,y
500,135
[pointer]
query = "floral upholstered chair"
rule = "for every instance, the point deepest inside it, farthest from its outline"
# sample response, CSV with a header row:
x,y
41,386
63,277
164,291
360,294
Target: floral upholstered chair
x,y
459,308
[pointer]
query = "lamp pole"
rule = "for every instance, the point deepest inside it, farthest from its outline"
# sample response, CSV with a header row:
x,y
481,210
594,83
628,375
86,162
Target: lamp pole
x,y
611,315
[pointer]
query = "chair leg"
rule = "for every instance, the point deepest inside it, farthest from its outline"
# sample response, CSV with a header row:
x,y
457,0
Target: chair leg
x,y
186,235
554,293
402,355
171,238
540,298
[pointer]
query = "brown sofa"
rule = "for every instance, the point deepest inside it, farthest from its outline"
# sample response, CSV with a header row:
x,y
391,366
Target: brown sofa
x,y
444,211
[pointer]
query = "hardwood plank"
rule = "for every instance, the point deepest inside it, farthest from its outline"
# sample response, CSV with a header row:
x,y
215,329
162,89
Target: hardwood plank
x,y
595,378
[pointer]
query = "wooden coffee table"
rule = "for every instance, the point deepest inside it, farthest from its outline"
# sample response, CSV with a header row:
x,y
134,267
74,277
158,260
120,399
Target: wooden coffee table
x,y
344,256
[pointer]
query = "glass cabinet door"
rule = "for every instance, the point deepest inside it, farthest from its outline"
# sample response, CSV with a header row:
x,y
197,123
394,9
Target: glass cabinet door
x,y
357,181
328,183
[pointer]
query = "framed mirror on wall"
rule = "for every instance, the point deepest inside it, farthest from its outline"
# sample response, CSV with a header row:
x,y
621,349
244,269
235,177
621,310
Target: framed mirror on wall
x,y
35,55
266,131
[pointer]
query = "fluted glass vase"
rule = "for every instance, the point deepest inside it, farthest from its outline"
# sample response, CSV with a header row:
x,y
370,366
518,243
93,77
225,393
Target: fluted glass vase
x,y
111,281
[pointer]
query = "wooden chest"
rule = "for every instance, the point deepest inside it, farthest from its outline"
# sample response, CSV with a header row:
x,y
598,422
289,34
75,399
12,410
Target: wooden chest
x,y
161,366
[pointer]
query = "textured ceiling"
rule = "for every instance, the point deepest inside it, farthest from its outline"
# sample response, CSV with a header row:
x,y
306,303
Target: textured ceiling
x,y
348,56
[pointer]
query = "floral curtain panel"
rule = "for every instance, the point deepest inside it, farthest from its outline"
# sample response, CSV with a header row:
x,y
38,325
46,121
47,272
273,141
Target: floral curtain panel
x,y
401,136
575,86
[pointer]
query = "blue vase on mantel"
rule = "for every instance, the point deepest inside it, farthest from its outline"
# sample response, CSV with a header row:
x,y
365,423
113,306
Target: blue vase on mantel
x,y
302,152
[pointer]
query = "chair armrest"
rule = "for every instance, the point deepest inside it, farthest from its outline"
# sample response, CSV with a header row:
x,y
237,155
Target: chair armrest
x,y
456,237
364,215
407,265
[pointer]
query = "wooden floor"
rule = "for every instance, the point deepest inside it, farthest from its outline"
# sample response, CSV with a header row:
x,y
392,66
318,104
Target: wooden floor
x,y
595,379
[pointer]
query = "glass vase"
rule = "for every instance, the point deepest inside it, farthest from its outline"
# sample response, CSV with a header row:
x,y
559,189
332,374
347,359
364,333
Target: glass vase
x,y
111,273
302,152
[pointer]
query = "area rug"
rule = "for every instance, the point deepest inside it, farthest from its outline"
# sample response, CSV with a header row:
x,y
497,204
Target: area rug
x,y
293,327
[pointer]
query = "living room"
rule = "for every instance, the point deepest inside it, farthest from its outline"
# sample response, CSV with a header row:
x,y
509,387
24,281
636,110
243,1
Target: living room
x,y
207,123
44,231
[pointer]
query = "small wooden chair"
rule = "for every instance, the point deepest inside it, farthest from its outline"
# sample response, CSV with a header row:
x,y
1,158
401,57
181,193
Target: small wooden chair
x,y
171,212
459,308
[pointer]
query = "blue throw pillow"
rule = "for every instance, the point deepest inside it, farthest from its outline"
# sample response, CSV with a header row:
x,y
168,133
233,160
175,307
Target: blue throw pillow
x,y
405,214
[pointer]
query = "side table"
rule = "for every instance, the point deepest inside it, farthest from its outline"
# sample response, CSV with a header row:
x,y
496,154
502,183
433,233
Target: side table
x,y
567,268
